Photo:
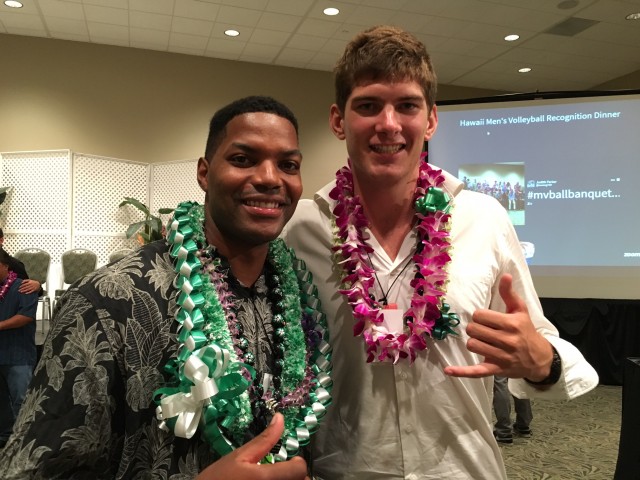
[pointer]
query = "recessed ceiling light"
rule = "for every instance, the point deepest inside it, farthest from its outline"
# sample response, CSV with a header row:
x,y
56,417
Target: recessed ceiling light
x,y
331,11
633,16
524,70
231,33
13,4
512,38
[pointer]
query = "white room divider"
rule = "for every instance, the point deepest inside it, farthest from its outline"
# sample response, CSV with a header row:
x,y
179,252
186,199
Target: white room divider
x,y
99,185
61,200
37,211
174,182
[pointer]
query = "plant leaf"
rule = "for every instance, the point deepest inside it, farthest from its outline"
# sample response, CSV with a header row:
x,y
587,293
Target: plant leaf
x,y
135,203
164,211
134,227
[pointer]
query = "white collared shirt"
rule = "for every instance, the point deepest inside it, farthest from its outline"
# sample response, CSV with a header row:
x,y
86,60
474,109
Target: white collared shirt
x,y
413,421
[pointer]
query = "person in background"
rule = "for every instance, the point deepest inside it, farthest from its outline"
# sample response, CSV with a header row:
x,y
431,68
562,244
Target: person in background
x,y
27,285
17,345
181,359
424,284
503,428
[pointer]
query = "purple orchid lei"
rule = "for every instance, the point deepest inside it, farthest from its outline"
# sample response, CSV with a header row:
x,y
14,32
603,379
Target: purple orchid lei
x,y
427,315
7,284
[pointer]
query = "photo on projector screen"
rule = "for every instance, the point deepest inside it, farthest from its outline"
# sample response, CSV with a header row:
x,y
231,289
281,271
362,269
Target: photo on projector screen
x,y
567,171
502,181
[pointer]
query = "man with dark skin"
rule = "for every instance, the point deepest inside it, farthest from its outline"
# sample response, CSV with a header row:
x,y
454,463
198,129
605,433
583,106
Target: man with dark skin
x,y
128,338
17,344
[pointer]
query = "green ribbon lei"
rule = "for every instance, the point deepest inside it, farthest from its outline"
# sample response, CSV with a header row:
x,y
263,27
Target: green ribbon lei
x,y
208,386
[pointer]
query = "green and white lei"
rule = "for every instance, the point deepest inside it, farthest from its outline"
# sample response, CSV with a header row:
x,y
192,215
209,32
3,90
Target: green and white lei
x,y
210,378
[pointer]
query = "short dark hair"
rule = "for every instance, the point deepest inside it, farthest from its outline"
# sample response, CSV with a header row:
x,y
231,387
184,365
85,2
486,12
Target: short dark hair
x,y
5,258
254,103
384,53
1,232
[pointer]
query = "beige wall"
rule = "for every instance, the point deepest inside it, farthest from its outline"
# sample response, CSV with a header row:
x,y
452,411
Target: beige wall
x,y
151,106
141,105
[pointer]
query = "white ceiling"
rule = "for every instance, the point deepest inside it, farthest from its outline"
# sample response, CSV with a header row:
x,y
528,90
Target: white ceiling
x,y
465,37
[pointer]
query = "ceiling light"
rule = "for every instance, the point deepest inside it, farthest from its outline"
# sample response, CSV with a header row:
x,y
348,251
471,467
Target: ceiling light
x,y
512,38
633,16
13,4
231,33
524,70
331,11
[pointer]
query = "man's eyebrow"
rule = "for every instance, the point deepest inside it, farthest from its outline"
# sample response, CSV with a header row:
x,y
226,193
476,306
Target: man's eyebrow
x,y
365,98
418,98
244,147
373,98
249,149
292,153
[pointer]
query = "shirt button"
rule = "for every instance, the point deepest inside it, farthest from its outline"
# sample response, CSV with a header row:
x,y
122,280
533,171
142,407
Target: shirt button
x,y
403,375
408,429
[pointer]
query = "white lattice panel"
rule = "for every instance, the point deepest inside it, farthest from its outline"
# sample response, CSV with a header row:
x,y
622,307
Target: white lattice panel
x,y
40,198
172,183
62,200
99,185
103,246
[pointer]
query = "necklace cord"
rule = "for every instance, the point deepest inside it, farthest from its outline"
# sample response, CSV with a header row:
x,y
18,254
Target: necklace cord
x,y
385,296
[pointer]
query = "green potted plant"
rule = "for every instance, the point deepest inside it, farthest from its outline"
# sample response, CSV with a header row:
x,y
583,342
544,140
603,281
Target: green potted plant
x,y
148,230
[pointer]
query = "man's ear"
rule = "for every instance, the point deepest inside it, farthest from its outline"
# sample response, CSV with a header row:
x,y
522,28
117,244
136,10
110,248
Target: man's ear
x,y
336,122
203,173
433,123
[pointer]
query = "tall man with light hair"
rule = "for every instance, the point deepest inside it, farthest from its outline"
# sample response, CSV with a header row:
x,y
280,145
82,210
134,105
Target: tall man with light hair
x,y
424,284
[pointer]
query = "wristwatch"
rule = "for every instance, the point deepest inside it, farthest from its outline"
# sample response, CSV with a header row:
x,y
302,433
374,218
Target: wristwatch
x,y
554,372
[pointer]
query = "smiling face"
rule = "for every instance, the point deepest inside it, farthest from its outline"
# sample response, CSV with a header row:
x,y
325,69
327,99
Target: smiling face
x,y
252,181
385,125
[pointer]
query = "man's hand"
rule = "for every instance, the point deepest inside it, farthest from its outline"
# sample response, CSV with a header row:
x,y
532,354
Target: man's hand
x,y
29,286
509,342
242,463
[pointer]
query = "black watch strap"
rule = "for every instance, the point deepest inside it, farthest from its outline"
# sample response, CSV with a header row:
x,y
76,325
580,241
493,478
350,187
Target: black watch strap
x,y
554,372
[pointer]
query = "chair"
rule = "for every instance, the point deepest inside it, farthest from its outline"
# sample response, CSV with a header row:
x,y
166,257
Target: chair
x,y
119,254
36,263
76,263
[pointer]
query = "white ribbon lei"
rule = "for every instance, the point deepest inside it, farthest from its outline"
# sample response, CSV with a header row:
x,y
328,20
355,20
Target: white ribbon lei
x,y
188,406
